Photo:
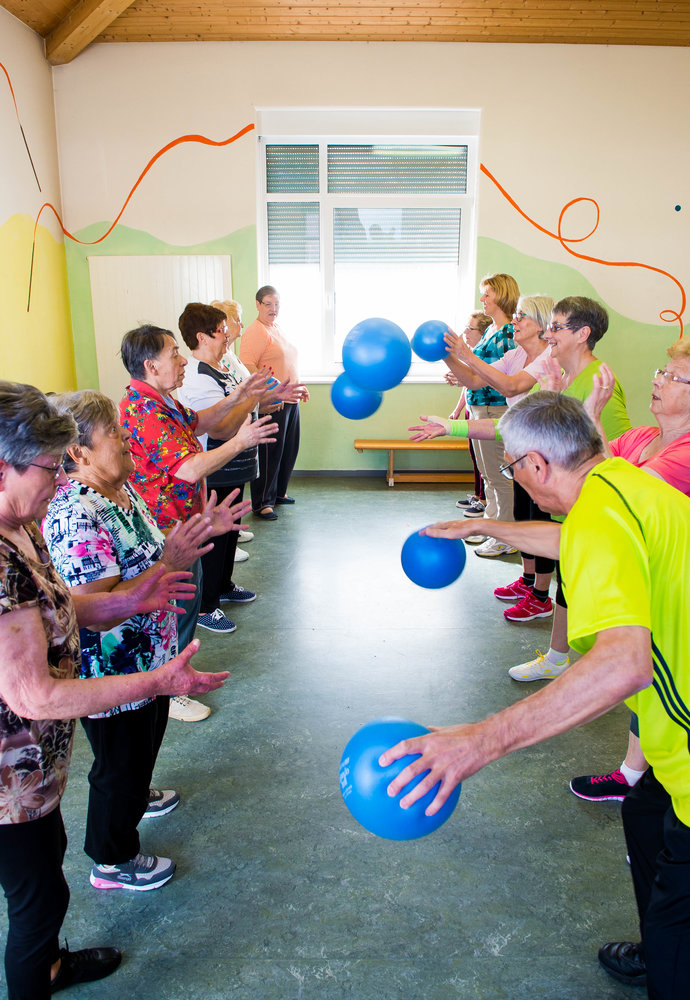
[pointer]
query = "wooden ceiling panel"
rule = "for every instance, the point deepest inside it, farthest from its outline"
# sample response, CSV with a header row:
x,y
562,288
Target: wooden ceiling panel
x,y
69,25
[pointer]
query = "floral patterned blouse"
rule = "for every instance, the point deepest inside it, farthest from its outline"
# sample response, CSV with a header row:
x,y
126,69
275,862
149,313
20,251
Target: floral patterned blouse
x,y
162,440
35,755
91,538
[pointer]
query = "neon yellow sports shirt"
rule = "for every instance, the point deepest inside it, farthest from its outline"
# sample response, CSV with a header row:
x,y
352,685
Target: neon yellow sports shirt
x,y
625,560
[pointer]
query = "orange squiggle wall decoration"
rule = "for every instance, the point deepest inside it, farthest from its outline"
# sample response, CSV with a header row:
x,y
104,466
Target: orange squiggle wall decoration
x,y
21,129
667,315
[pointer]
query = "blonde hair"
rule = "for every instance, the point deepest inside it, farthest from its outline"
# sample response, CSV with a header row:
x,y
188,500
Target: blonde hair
x,y
232,309
506,289
537,308
679,350
483,321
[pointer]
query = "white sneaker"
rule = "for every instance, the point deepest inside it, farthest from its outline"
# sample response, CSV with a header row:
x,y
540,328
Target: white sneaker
x,y
491,547
245,536
475,539
539,669
241,555
185,709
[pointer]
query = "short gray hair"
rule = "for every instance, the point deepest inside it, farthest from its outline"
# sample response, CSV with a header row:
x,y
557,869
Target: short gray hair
x,y
30,425
554,425
89,410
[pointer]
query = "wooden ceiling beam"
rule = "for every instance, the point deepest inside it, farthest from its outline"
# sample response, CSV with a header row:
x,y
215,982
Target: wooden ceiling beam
x,y
85,22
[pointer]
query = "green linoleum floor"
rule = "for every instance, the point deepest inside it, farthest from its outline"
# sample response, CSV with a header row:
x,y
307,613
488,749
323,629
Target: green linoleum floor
x,y
279,895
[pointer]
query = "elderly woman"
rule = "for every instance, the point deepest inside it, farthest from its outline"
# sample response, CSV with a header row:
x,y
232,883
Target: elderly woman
x,y
170,464
263,346
40,694
499,295
662,451
101,537
213,373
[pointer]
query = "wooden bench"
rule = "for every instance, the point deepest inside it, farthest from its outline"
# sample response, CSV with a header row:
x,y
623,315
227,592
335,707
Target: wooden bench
x,y
438,444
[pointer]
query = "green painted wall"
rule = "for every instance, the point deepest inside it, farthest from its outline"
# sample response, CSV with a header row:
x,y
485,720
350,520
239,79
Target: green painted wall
x,y
633,349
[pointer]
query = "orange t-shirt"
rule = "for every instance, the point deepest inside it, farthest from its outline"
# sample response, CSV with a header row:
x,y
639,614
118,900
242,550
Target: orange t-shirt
x,y
265,346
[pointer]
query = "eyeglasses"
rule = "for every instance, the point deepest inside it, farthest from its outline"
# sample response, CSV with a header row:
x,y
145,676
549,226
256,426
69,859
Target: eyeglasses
x,y
54,469
220,332
670,377
555,327
520,316
507,470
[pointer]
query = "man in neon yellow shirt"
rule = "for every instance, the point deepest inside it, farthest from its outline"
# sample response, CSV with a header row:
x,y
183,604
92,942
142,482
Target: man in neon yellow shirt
x,y
625,556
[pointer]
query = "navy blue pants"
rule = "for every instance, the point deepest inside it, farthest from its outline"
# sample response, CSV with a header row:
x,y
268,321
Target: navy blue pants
x,y
277,460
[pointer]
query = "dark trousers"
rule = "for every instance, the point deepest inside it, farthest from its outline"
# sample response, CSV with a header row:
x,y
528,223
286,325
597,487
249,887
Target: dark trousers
x,y
125,748
219,563
31,856
276,461
525,509
659,849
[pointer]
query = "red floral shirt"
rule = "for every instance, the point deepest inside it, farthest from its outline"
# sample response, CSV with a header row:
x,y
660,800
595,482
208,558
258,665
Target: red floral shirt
x,y
162,439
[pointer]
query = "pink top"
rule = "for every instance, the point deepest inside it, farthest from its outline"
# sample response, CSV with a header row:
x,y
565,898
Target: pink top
x,y
513,362
672,463
265,346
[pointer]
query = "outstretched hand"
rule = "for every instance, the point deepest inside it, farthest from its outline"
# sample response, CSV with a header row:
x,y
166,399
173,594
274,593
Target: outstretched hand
x,y
226,515
449,755
450,529
431,428
178,676
156,590
187,541
551,378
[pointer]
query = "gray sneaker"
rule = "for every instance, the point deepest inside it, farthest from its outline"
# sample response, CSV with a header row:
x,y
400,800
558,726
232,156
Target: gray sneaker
x,y
161,802
143,872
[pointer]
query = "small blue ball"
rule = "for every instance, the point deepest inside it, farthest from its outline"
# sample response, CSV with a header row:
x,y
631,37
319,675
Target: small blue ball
x,y
377,354
363,783
433,562
427,340
352,402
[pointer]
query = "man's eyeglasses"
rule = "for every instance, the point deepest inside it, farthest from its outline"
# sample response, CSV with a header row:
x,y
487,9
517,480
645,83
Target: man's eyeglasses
x,y
670,377
509,472
55,470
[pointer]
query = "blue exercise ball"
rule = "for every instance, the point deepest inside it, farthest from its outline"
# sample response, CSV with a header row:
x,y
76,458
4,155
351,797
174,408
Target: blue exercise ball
x,y
352,402
363,783
427,340
377,354
433,562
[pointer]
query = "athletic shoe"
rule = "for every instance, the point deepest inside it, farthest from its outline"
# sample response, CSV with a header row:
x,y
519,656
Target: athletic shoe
x,y
84,966
142,873
467,502
161,802
475,539
492,547
186,709
476,509
241,555
625,962
529,608
611,787
515,591
215,621
539,669
245,536
238,595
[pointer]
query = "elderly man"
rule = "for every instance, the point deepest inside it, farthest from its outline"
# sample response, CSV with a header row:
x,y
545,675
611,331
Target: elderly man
x,y
625,556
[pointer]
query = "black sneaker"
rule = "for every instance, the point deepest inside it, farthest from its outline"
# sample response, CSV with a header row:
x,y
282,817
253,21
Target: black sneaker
x,y
467,502
142,873
84,966
625,962
239,595
601,787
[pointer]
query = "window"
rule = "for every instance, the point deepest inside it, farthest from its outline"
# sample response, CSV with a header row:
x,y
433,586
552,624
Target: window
x,y
355,226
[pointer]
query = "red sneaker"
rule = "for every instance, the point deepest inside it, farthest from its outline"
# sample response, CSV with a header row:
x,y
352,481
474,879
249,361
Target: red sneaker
x,y
528,608
515,591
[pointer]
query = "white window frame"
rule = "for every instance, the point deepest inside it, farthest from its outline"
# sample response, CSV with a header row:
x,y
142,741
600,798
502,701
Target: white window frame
x,y
326,126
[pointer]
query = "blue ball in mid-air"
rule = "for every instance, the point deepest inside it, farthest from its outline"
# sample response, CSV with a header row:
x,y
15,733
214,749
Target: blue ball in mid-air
x,y
427,340
377,354
352,402
364,783
433,562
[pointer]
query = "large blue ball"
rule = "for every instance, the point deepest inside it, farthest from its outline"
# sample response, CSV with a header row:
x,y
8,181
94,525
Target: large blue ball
x,y
363,783
352,402
427,340
433,562
377,354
